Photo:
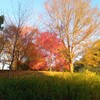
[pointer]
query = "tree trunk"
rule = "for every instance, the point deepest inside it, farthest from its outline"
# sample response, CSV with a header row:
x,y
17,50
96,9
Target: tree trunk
x,y
12,57
50,68
3,66
71,67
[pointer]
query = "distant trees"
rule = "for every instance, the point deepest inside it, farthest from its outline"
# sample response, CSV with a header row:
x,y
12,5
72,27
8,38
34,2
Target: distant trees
x,y
1,34
2,40
1,21
18,38
75,22
92,56
90,60
23,45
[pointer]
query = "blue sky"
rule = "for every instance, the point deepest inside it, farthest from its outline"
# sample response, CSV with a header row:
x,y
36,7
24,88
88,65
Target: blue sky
x,y
5,5
96,3
36,5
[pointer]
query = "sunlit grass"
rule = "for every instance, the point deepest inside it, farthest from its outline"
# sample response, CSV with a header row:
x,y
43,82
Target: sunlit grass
x,y
45,85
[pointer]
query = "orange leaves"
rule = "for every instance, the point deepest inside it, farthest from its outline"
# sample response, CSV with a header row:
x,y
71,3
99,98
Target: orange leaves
x,y
40,64
49,41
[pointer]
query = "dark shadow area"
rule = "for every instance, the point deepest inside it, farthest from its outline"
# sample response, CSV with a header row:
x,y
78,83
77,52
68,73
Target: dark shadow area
x,y
15,73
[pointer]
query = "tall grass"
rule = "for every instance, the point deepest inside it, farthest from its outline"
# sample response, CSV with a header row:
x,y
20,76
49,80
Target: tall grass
x,y
60,87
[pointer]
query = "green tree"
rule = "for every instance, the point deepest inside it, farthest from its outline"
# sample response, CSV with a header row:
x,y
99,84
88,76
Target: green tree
x,y
1,21
2,40
92,56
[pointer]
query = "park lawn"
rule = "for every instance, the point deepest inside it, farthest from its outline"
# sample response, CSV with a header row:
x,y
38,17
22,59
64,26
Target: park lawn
x,y
44,85
31,73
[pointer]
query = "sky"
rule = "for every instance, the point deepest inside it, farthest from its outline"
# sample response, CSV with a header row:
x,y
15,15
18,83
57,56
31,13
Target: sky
x,y
38,5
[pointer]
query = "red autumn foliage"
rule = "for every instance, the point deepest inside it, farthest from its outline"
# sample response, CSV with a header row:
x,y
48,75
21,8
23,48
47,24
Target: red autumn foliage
x,y
49,44
38,64
44,45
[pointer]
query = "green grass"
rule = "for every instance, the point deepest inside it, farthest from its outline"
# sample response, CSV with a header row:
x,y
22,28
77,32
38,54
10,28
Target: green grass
x,y
50,86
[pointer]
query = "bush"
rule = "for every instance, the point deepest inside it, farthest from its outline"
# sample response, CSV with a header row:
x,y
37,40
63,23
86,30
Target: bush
x,y
68,87
23,67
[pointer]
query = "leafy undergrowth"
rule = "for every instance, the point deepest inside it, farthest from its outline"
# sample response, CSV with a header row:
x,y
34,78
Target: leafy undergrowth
x,y
51,86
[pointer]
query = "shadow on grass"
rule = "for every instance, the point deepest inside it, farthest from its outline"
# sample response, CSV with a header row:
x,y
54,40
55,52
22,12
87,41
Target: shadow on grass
x,y
5,73
38,85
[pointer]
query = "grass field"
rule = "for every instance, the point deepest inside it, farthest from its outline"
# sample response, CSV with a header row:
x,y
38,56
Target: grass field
x,y
30,73
44,85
